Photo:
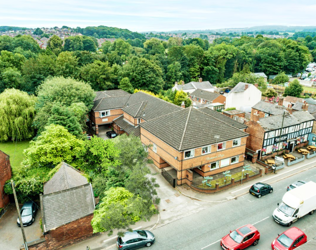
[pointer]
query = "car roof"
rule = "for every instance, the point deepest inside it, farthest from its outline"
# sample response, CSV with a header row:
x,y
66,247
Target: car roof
x,y
260,184
247,229
130,235
293,232
27,204
299,183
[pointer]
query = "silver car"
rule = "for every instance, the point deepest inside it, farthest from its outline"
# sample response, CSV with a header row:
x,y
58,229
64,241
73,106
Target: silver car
x,y
135,239
295,185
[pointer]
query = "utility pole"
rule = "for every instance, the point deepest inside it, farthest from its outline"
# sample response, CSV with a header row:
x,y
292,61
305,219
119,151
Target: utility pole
x,y
18,210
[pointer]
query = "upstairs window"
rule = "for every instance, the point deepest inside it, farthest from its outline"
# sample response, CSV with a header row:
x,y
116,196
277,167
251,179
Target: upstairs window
x,y
154,147
206,150
104,113
236,142
221,146
188,154
139,120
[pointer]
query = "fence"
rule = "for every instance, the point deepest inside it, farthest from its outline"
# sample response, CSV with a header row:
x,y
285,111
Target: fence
x,y
297,160
311,155
169,177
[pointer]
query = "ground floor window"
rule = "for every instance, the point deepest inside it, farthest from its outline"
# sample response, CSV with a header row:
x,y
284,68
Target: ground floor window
x,y
234,160
214,165
225,162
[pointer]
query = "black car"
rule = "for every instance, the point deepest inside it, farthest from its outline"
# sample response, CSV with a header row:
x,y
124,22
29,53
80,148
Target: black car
x,y
111,134
28,213
295,185
259,189
135,239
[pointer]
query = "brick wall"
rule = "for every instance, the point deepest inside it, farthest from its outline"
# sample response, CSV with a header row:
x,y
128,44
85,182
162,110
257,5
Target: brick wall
x,y
5,174
66,235
114,113
256,134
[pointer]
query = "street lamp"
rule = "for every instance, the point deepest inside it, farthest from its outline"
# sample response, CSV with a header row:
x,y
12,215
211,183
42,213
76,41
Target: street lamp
x,y
242,175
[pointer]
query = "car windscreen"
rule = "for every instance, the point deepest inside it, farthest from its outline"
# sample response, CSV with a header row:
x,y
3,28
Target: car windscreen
x,y
236,236
142,233
26,211
286,209
285,241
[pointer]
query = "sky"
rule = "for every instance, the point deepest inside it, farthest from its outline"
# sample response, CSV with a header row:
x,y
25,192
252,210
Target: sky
x,y
162,15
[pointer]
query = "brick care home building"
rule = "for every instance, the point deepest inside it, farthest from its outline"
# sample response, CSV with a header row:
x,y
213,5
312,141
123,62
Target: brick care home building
x,y
5,174
191,139
272,128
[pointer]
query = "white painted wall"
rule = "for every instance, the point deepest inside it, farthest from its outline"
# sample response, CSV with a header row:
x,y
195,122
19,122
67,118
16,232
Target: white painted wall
x,y
243,100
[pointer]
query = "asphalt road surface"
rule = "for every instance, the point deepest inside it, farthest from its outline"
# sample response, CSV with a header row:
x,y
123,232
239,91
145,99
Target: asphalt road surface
x,y
203,230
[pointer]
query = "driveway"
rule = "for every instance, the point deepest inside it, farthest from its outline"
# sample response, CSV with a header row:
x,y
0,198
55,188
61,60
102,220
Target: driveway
x,y
11,235
102,131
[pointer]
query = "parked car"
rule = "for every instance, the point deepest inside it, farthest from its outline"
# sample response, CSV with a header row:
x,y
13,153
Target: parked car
x,y
290,239
135,239
28,213
111,134
259,189
241,238
295,185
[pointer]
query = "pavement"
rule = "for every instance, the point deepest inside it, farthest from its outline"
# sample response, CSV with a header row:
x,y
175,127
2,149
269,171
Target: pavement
x,y
11,235
183,202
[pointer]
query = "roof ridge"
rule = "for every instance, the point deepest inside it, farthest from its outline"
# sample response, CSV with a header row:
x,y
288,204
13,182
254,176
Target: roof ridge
x,y
185,128
65,175
142,108
139,108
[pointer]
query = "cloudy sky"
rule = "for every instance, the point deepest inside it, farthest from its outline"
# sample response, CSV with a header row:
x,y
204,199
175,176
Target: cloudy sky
x,y
162,15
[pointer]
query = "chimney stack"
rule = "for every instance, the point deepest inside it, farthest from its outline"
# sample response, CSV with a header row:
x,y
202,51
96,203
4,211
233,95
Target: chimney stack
x,y
200,79
246,86
305,106
182,104
289,108
280,102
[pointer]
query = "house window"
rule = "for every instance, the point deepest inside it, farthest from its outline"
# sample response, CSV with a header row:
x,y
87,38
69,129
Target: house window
x,y
266,114
189,154
139,120
105,113
154,147
225,162
236,142
214,165
206,150
234,160
221,146
269,149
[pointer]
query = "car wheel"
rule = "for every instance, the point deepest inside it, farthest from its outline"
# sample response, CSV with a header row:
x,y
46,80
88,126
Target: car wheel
x,y
271,190
259,195
33,220
255,242
311,212
290,224
148,244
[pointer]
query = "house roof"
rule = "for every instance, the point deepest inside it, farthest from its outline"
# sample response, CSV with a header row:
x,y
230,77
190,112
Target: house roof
x,y
260,74
195,85
109,93
206,95
293,99
270,108
240,87
110,103
148,107
310,101
60,208
190,128
233,112
275,121
66,177
127,127
223,118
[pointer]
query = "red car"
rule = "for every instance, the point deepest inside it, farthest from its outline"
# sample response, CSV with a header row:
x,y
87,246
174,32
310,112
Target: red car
x,y
241,238
290,239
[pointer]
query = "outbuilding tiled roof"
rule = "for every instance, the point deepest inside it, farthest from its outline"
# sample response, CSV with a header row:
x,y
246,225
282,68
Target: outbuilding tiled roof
x,y
190,128
310,100
206,95
270,108
110,103
224,118
195,85
65,206
275,121
127,127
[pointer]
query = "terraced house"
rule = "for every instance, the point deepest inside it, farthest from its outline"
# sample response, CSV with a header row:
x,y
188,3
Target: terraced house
x,y
202,141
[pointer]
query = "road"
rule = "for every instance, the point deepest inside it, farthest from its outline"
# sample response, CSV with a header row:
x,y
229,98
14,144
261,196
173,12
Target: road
x,y
204,229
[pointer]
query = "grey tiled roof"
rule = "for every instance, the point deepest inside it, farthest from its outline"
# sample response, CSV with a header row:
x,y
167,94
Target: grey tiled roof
x,y
298,106
128,128
270,108
206,95
224,118
190,128
275,121
65,206
312,109
310,100
110,93
240,87
196,85
66,177
110,103
151,107
260,74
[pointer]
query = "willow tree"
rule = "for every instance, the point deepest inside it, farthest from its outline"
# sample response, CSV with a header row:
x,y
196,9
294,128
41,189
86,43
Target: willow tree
x,y
17,111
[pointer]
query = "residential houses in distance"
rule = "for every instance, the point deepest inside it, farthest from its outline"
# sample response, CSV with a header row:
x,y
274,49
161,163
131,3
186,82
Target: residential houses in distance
x,y
192,86
202,98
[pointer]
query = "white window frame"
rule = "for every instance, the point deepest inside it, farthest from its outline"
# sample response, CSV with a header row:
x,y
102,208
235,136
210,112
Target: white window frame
x,y
192,153
154,147
237,160
208,150
105,111
216,165
226,161
239,142
139,120
224,146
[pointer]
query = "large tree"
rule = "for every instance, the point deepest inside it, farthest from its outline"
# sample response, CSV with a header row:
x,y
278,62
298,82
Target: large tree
x,y
17,111
294,89
126,85
281,78
66,64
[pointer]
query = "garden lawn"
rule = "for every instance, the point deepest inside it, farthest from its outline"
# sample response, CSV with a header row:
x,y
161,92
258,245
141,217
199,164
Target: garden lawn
x,y
309,89
15,151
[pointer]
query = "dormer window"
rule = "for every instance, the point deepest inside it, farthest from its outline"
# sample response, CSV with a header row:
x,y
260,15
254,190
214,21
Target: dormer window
x,y
104,113
139,120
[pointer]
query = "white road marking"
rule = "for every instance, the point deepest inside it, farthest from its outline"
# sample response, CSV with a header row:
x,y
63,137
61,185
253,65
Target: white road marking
x,y
116,236
210,244
276,176
220,240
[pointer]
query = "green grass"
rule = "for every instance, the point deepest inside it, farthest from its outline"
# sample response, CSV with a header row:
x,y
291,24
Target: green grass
x,y
15,151
309,89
